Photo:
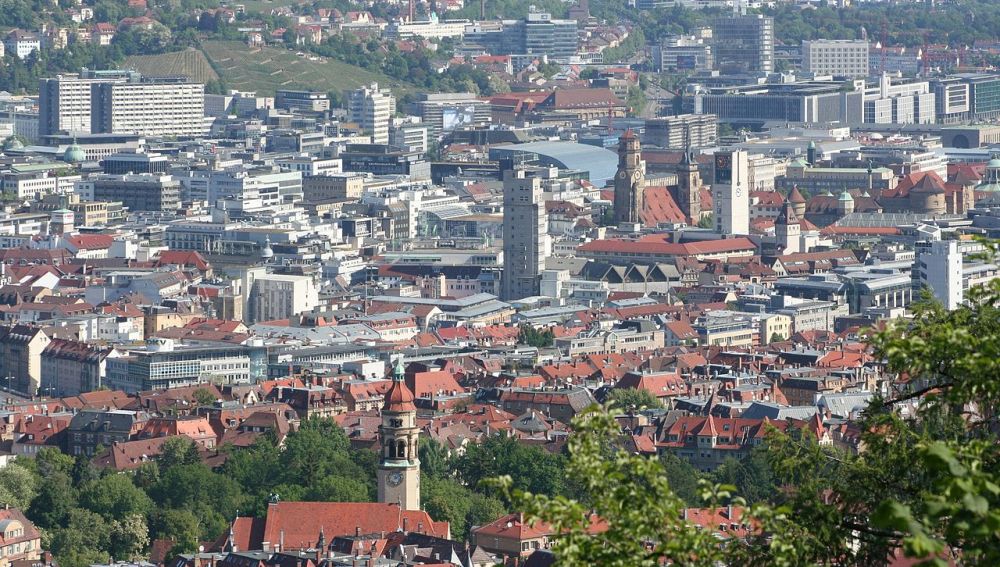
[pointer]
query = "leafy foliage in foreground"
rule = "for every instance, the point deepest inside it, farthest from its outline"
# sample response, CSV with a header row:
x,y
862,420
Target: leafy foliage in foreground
x,y
925,482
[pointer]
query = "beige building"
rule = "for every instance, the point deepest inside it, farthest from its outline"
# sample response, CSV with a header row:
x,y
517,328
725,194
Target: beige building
x,y
773,326
333,186
21,349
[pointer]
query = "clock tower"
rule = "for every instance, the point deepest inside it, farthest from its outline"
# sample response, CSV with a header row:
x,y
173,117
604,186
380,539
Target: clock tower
x,y
630,179
399,468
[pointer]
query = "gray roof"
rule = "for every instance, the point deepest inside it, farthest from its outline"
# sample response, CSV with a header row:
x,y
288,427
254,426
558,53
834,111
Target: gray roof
x,y
770,410
845,403
599,162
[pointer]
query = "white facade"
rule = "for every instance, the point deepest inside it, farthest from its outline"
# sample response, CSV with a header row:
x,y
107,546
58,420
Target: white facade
x,y
372,109
278,296
524,234
152,109
940,270
731,193
837,57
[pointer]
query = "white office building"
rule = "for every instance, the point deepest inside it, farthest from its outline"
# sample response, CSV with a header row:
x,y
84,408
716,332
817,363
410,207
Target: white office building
x,y
279,296
837,57
372,109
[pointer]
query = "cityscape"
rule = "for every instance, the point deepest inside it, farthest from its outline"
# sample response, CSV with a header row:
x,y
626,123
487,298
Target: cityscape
x,y
516,283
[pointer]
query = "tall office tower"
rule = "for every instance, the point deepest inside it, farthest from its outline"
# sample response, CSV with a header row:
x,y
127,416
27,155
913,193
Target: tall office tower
x,y
524,233
630,181
744,44
688,194
940,270
64,105
731,193
837,57
539,34
372,109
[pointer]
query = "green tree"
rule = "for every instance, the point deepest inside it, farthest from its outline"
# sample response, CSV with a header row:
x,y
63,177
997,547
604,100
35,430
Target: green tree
x,y
531,336
129,537
433,458
683,478
777,337
336,488
180,526
447,500
203,397
707,221
83,541
18,485
56,498
178,450
532,468
211,496
633,399
114,496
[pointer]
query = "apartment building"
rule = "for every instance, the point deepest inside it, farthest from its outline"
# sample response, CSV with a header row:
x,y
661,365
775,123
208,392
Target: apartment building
x,y
372,108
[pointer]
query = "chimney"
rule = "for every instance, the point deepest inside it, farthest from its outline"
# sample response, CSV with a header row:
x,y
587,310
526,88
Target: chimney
x,y
406,525
729,512
357,531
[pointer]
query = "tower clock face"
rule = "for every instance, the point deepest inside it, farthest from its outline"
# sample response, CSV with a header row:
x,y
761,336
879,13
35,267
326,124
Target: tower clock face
x,y
395,478
636,176
723,160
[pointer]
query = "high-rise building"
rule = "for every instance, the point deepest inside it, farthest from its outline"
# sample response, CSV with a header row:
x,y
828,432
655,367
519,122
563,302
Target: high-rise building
x,y
399,466
731,193
630,181
939,268
64,103
524,232
121,103
372,109
537,35
837,57
744,44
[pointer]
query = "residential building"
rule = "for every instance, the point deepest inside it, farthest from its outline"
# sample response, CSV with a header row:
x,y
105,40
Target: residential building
x,y
21,350
90,429
70,368
22,541
21,43
524,233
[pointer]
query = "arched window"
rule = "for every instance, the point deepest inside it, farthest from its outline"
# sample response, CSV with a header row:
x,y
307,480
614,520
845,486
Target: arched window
x,y
390,450
401,449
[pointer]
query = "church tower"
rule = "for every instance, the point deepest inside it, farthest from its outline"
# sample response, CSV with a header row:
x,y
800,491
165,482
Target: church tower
x,y
399,468
788,230
688,196
629,180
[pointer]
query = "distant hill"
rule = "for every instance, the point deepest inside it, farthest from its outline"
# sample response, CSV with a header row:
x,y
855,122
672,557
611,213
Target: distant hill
x,y
190,62
266,69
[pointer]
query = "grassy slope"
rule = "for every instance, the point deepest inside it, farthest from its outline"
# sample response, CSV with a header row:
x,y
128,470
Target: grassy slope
x,y
266,69
190,62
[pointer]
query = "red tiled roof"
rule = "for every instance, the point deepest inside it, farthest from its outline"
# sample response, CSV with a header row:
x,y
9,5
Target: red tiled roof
x,y
301,522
